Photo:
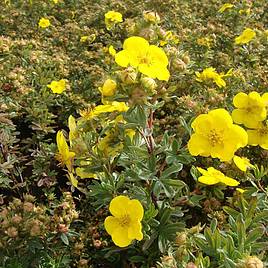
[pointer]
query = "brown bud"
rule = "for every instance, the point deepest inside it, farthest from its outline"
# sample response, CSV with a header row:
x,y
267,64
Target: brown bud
x,y
12,232
253,262
181,238
28,207
97,243
16,219
191,265
83,263
62,228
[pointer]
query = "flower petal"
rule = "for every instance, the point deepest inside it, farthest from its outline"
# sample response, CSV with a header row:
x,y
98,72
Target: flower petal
x,y
135,210
111,224
120,237
118,206
134,231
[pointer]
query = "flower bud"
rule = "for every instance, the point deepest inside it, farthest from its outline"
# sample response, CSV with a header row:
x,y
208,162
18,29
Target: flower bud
x,y
62,228
109,87
252,262
83,263
191,265
168,262
128,76
149,83
179,65
16,219
12,232
181,238
28,207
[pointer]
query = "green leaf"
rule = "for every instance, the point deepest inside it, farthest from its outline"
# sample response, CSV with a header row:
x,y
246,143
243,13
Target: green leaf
x,y
64,239
241,232
176,183
171,170
254,235
213,225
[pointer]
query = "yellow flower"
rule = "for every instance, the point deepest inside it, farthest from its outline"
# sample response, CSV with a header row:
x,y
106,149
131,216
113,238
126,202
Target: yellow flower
x,y
44,23
57,87
242,163
258,136
112,51
83,38
247,35
56,1
125,224
148,59
250,110
106,108
213,176
64,156
108,89
224,7
112,18
216,136
209,74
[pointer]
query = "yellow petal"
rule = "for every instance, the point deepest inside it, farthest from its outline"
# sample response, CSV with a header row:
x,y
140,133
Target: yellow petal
x,y
229,181
253,137
240,100
134,231
238,116
136,43
135,209
209,180
241,163
120,237
111,224
122,58
221,116
198,145
118,206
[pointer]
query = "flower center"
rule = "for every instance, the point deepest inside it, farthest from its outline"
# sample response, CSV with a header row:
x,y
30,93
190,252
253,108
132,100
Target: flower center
x,y
124,221
215,137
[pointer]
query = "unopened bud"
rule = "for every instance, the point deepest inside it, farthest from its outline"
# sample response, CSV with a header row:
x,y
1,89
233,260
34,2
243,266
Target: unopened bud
x,y
191,265
128,76
109,87
12,232
63,228
149,83
28,207
181,238
179,64
16,219
252,262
